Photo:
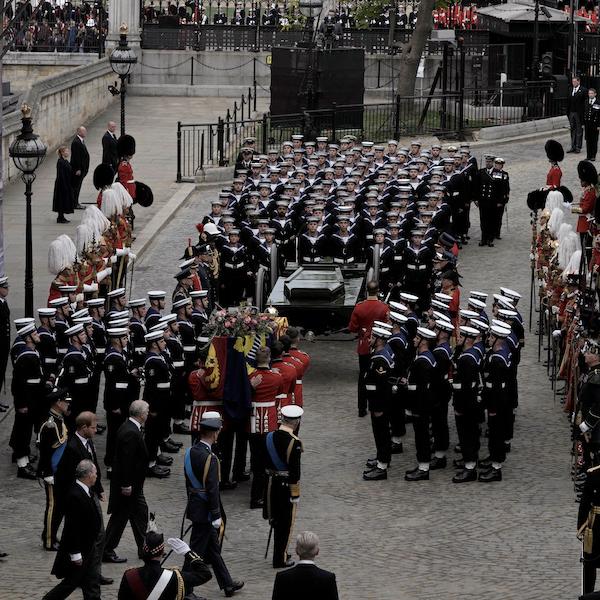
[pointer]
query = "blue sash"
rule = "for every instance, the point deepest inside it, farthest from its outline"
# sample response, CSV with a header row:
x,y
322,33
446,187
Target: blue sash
x,y
277,462
187,465
56,456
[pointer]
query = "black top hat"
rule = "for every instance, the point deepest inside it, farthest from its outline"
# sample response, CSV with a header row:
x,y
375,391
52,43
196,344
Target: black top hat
x,y
103,176
554,151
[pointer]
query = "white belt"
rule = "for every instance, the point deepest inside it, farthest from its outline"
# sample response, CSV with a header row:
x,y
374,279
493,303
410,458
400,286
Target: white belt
x,y
122,386
131,181
385,269
411,387
50,361
139,349
446,377
298,381
370,388
343,260
33,380
62,350
208,402
163,385
457,386
232,266
311,258
100,350
491,385
263,404
369,237
189,348
81,380
281,396
397,258
178,363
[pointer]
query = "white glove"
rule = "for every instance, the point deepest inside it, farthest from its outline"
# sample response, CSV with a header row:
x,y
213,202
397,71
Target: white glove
x,y
179,546
49,479
584,427
217,523
294,500
113,259
122,251
555,310
132,256
556,333
101,275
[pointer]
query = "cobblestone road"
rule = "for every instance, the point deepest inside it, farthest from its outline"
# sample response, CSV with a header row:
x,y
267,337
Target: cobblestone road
x,y
389,540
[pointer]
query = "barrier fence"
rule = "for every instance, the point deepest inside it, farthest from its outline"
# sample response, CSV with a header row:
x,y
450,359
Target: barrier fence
x,y
445,115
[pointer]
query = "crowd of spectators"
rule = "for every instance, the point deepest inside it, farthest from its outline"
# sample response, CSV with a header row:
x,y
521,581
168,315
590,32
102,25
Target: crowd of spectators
x,y
56,26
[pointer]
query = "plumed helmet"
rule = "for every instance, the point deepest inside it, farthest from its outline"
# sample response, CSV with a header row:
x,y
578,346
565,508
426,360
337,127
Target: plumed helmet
x,y
143,194
554,151
126,145
587,172
103,176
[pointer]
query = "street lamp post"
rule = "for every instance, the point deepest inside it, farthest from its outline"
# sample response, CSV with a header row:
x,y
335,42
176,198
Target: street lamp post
x,y
28,152
121,59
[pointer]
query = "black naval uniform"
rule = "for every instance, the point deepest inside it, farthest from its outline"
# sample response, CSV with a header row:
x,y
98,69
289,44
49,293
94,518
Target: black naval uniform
x,y
588,524
75,376
282,492
589,406
48,353
157,393
202,476
4,338
591,122
53,440
182,581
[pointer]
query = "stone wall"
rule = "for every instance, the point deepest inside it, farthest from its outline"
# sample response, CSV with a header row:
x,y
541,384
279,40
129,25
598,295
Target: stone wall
x,y
23,69
60,104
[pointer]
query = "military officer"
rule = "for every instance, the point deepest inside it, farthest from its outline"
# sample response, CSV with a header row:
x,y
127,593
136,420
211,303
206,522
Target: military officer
x,y
589,403
157,305
52,443
137,331
5,333
283,450
47,346
199,316
62,322
184,284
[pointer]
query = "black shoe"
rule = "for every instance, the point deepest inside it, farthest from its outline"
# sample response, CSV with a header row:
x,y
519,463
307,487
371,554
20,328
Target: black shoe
x,y
100,429
458,463
576,151
491,475
571,151
111,557
26,472
482,243
32,458
241,477
106,580
362,412
164,461
3,408
465,475
158,472
79,207
227,485
438,463
371,463
3,554
375,474
181,428
285,565
230,590
409,471
169,448
498,237
256,504
417,475
397,448
490,244
486,462
63,220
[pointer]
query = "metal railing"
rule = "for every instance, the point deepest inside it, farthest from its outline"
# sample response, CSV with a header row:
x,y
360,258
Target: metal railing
x,y
445,115
256,38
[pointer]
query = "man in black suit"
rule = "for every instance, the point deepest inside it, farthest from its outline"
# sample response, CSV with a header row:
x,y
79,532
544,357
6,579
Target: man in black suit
x,y
110,154
591,123
126,501
80,163
575,110
78,561
305,580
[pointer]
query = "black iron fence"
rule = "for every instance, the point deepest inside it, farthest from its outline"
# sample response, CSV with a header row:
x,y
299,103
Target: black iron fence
x,y
256,38
449,115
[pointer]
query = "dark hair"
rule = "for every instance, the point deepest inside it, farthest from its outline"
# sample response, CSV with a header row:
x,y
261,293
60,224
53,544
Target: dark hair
x,y
276,349
292,333
286,342
372,288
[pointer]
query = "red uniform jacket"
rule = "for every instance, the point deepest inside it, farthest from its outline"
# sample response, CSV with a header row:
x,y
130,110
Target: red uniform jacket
x,y
301,358
266,396
289,374
202,397
554,176
362,318
587,205
125,174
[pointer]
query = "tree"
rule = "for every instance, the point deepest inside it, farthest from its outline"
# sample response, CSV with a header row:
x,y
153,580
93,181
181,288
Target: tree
x,y
410,52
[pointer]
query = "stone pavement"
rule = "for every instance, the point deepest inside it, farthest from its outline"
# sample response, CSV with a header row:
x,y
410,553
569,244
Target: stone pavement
x,y
389,540
153,122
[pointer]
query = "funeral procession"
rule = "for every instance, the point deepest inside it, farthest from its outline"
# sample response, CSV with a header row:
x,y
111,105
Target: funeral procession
x,y
317,312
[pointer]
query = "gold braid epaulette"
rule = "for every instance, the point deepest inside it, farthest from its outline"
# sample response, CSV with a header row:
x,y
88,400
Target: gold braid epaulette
x,y
180,583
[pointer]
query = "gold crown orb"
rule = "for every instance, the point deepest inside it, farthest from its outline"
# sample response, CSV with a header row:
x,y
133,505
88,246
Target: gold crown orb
x,y
26,111
124,29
